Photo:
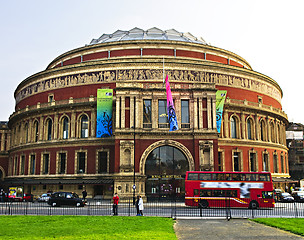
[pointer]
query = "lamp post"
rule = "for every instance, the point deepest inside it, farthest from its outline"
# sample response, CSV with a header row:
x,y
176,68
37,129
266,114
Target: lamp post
x,y
134,186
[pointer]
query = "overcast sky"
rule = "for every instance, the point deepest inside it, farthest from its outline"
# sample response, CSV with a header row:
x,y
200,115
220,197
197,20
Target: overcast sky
x,y
268,34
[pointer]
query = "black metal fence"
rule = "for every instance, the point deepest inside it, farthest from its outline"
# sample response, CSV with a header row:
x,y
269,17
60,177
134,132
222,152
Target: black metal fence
x,y
168,208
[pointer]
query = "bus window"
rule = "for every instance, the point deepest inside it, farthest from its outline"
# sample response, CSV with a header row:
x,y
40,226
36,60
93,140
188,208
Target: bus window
x,y
195,192
220,176
267,194
231,193
192,176
228,177
236,177
205,193
219,193
251,177
205,176
242,177
264,177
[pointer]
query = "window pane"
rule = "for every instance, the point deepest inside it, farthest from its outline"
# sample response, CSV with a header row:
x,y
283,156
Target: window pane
x,y
81,162
62,159
65,128
102,162
147,113
249,129
84,127
162,114
49,128
233,128
185,114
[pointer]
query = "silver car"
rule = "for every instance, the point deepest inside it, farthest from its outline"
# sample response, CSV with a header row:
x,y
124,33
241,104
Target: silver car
x,y
44,197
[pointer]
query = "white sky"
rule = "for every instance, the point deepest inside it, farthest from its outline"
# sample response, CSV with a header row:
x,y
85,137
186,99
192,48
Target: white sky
x,y
266,33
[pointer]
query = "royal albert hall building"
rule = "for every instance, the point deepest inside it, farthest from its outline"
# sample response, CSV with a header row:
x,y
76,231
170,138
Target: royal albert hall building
x,y
52,143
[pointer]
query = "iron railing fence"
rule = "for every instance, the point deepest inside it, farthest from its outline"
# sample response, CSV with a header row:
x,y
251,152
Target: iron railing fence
x,y
163,208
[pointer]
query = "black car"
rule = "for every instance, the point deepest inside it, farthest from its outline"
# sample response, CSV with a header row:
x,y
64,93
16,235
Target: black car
x,y
65,198
298,196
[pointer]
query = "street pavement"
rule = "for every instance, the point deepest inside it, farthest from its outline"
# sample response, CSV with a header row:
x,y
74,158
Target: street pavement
x,y
220,229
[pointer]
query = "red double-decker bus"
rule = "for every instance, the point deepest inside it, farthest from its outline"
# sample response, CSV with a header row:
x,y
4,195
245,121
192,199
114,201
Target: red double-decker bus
x,y
233,189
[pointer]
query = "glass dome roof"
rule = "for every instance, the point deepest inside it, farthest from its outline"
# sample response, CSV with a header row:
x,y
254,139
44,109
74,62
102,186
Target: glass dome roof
x,y
150,34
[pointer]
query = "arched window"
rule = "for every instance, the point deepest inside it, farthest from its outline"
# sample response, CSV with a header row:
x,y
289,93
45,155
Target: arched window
x,y
162,162
36,131
84,125
26,133
263,130
249,129
49,126
65,128
233,129
272,133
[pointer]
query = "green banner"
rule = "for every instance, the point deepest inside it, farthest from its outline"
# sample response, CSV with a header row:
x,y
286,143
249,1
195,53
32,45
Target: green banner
x,y
220,100
104,113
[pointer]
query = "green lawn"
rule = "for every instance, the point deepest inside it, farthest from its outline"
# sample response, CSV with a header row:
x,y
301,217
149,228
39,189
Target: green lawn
x,y
294,225
86,227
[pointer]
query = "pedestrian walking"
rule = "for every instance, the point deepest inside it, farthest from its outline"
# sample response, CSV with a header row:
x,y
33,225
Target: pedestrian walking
x,y
137,206
140,206
115,204
84,194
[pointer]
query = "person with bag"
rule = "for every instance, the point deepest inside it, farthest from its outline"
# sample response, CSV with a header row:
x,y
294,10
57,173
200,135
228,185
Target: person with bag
x,y
137,206
115,204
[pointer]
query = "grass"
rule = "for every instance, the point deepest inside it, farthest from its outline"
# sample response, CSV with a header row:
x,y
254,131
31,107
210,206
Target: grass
x,y
86,227
294,225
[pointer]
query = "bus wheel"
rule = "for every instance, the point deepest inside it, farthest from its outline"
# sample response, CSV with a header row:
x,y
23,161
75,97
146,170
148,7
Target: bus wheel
x,y
203,204
253,205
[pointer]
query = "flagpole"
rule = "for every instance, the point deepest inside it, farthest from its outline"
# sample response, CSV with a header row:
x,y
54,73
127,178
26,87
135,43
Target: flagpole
x,y
163,69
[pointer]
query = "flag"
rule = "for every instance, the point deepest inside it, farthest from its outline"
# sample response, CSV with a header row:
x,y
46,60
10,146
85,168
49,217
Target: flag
x,y
170,108
220,100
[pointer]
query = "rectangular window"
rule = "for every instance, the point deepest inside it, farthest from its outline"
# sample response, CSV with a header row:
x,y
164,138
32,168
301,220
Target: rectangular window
x,y
22,165
236,161
265,162
32,164
62,163
220,161
185,114
282,164
45,166
147,113
81,162
16,165
102,162
252,158
275,163
162,114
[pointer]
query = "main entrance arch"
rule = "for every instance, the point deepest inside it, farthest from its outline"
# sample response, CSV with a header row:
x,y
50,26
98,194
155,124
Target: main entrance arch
x,y
165,167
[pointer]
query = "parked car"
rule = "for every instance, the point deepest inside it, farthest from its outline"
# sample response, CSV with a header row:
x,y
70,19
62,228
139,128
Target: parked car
x,y
298,196
44,197
65,198
286,197
27,197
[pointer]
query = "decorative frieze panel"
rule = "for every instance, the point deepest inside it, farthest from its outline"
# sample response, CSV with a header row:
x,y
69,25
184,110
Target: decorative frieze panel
x,y
148,74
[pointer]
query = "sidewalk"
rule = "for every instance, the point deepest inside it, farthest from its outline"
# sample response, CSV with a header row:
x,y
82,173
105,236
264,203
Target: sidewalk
x,y
218,229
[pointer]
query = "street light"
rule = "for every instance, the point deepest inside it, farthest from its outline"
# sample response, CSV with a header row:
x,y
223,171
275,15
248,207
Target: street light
x,y
134,186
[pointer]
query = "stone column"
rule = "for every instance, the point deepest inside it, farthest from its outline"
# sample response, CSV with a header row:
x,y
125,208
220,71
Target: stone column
x,y
209,113
123,111
117,112
195,113
200,113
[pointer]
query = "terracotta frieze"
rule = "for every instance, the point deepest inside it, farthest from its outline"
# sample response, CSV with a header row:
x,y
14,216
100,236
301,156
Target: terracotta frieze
x,y
148,74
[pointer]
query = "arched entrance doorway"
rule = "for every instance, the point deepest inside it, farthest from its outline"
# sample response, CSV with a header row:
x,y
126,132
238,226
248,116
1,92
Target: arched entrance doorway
x,y
165,169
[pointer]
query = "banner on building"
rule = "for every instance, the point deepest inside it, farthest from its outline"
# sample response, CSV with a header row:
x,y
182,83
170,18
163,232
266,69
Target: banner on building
x,y
104,113
220,100
170,108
